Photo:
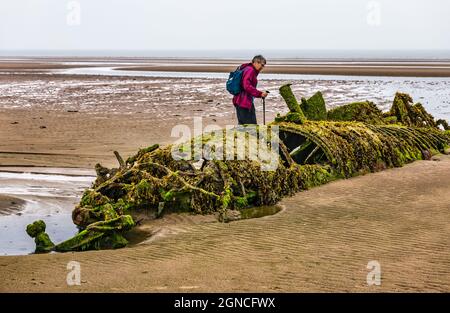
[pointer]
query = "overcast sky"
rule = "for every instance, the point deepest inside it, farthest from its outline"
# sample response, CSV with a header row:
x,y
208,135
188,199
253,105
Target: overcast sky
x,y
226,24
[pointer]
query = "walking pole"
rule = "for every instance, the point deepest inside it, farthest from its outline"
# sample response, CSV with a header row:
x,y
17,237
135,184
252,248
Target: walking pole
x,y
264,109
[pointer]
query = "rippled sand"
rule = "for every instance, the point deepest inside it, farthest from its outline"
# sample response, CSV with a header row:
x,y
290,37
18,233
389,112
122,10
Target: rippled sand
x,y
321,241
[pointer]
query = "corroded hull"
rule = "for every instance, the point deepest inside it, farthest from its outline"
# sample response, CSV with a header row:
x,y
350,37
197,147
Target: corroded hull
x,y
313,149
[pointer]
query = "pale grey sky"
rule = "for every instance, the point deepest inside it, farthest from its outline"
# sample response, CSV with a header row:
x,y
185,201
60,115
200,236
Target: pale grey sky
x,y
227,24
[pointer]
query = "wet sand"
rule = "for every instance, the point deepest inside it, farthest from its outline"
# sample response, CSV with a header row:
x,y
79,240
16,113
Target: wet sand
x,y
10,205
75,139
415,68
322,241
35,193
14,66
78,120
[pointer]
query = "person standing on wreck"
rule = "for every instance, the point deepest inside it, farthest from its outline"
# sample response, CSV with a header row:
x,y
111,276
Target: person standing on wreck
x,y
244,101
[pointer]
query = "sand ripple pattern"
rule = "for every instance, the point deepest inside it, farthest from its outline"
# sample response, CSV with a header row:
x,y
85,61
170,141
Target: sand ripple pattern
x,y
322,241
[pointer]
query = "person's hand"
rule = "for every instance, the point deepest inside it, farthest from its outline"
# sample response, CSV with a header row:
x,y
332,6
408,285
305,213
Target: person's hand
x,y
264,94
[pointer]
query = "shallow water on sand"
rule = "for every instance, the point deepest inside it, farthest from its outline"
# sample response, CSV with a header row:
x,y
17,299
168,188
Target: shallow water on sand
x,y
49,194
128,92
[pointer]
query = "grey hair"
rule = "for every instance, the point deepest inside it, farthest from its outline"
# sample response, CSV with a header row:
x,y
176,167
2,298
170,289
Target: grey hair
x,y
259,58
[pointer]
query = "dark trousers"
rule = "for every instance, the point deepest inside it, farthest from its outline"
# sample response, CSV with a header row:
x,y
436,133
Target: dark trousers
x,y
246,116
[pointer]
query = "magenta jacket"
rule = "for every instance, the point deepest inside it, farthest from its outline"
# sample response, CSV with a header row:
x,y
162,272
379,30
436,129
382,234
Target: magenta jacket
x,y
249,82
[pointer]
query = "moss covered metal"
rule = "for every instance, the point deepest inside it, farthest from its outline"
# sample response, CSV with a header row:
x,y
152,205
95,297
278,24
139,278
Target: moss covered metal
x,y
365,111
410,114
340,143
314,108
354,148
292,103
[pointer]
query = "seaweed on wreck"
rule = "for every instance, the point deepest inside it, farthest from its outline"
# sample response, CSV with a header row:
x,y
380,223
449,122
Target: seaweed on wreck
x,y
364,111
315,147
410,114
314,108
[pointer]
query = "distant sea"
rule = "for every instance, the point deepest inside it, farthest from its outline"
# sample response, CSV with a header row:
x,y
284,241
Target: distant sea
x,y
241,54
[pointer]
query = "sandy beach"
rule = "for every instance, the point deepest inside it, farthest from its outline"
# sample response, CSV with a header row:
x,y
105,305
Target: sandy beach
x,y
78,120
9,205
411,68
321,241
324,67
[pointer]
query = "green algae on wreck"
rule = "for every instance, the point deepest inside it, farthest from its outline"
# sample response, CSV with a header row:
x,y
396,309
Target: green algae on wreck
x,y
43,243
351,140
314,108
365,111
410,114
291,102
